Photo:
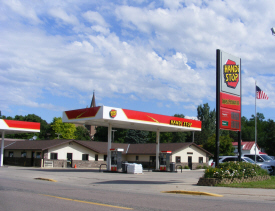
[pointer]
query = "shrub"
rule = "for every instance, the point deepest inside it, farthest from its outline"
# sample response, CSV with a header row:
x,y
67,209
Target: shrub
x,y
234,170
199,167
186,167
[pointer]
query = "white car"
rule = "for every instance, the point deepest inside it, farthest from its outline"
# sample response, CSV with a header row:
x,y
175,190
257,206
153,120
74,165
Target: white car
x,y
262,159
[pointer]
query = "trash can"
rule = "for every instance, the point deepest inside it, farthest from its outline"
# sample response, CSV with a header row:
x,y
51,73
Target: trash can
x,y
172,166
124,166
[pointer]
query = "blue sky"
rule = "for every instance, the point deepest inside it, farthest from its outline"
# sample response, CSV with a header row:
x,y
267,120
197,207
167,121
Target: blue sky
x,y
151,56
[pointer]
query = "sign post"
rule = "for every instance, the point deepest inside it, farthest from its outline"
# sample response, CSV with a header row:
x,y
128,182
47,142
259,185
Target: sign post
x,y
228,97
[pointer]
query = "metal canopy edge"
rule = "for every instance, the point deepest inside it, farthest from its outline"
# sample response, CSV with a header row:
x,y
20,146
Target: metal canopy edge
x,y
130,119
14,126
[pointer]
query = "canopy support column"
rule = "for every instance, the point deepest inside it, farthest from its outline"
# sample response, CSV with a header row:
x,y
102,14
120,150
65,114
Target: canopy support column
x,y
109,147
157,149
2,149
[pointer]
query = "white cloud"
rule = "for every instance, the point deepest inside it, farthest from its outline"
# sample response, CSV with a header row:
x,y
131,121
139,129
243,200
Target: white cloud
x,y
144,53
25,11
62,15
95,18
101,29
173,4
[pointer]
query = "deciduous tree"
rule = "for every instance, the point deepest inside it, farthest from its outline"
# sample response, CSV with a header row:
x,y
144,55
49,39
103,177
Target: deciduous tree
x,y
208,119
226,147
63,130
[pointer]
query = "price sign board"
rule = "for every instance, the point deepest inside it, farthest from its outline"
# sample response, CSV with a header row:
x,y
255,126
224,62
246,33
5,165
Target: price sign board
x,y
230,119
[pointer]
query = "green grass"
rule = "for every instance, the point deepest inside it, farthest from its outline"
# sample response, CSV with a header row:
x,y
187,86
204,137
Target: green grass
x,y
267,184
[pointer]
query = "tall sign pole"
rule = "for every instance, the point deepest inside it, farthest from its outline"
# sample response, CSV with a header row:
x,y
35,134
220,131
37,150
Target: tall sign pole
x,y
228,97
218,85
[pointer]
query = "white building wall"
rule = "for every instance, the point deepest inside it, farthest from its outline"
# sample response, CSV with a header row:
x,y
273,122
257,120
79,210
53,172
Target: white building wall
x,y
141,158
77,151
251,151
194,152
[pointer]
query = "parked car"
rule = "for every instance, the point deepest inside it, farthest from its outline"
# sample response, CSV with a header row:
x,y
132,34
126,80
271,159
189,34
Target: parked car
x,y
262,159
273,157
212,163
246,159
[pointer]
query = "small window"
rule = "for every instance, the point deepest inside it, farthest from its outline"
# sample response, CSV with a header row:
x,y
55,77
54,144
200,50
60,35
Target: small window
x,y
105,157
137,157
85,156
96,157
11,154
251,156
53,156
152,159
23,154
200,159
178,159
230,159
259,159
38,155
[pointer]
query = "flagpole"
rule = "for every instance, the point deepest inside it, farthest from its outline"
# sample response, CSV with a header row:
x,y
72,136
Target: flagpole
x,y
255,121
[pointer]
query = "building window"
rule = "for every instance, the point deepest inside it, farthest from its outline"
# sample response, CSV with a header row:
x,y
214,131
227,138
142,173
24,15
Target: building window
x,y
85,156
178,160
105,157
200,159
11,154
152,159
38,155
96,157
137,157
53,156
23,154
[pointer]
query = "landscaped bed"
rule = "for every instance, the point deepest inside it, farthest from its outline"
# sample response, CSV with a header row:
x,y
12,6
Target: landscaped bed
x,y
233,172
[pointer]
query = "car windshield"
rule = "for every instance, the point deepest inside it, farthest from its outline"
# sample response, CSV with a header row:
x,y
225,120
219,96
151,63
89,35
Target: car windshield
x,y
248,160
266,157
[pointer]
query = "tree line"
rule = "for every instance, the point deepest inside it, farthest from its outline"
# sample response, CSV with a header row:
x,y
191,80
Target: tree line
x,y
205,138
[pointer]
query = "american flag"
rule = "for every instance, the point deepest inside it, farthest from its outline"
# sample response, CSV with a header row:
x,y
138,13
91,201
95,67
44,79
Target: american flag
x,y
260,94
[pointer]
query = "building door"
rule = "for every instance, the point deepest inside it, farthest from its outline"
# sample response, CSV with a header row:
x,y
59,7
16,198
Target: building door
x,y
190,162
69,160
32,159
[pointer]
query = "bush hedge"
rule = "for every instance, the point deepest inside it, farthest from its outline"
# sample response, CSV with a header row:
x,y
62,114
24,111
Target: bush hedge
x,y
234,170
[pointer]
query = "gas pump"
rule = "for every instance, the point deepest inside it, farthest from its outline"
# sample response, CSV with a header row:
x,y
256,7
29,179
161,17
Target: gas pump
x,y
164,160
116,158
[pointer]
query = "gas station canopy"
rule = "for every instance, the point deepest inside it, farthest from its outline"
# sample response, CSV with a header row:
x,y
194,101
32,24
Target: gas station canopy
x,y
129,119
14,126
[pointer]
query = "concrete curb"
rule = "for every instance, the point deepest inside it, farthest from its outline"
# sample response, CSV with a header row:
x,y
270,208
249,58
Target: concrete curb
x,y
193,193
50,180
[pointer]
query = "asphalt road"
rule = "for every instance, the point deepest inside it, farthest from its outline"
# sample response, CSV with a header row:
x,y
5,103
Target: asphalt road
x,y
81,189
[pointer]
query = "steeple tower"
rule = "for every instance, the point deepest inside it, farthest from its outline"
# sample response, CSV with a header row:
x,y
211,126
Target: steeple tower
x,y
91,128
93,100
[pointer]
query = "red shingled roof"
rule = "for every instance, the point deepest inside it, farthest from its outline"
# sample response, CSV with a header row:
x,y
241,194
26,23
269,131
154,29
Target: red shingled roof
x,y
247,145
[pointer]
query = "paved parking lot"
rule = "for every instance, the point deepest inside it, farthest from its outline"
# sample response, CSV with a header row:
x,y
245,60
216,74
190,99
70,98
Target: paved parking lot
x,y
148,182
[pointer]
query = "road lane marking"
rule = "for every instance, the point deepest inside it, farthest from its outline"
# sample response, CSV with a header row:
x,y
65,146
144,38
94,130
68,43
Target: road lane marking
x,y
88,202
